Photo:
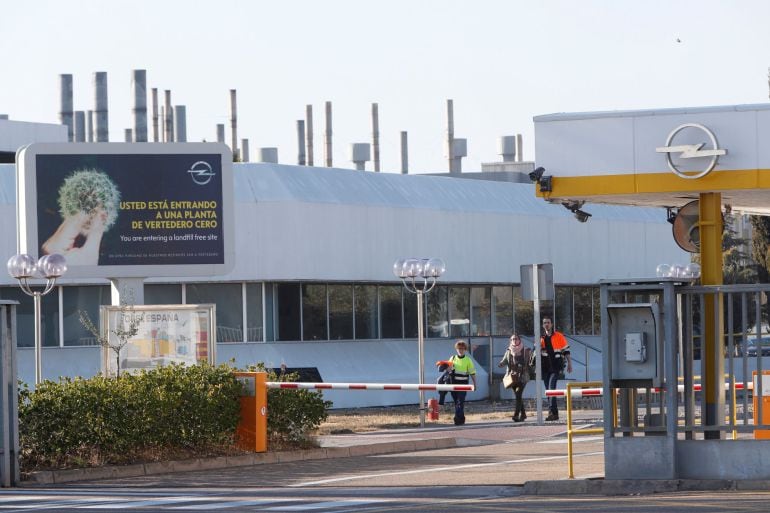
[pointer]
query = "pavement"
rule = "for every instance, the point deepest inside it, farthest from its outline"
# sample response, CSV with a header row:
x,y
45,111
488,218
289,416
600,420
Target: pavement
x,y
526,455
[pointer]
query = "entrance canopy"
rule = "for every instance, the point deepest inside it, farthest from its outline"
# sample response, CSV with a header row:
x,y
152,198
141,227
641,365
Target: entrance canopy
x,y
663,158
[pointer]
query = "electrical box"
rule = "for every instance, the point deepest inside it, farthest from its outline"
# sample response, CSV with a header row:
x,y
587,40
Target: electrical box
x,y
635,349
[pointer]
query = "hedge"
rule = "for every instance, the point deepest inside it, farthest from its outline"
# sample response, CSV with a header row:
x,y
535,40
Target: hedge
x,y
166,412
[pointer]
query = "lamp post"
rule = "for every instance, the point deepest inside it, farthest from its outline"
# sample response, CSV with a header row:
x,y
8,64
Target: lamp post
x,y
49,267
419,276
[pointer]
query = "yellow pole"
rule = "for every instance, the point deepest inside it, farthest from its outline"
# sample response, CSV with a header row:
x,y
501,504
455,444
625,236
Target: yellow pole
x,y
712,357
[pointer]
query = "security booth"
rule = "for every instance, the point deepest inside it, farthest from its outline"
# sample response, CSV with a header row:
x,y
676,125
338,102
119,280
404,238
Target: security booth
x,y
639,321
9,400
695,164
658,424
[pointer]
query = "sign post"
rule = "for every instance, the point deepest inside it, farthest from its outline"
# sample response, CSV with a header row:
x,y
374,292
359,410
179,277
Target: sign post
x,y
536,285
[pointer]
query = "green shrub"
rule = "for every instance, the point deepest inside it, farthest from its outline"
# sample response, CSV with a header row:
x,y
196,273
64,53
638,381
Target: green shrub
x,y
100,420
292,414
172,411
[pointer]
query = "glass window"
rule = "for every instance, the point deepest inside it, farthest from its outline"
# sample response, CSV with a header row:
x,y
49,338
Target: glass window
x,y
481,311
390,310
314,312
25,317
87,299
228,298
340,312
366,311
410,314
502,320
162,294
287,311
438,312
564,309
583,297
254,331
459,311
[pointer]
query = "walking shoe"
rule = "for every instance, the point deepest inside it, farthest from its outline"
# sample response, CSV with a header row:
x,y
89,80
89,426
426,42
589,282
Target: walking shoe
x,y
515,418
551,417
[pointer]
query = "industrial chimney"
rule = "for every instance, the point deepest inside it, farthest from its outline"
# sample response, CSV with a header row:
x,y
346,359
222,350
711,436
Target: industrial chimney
x,y
309,128
180,119
234,122
100,108
376,136
300,142
139,87
328,135
65,110
404,154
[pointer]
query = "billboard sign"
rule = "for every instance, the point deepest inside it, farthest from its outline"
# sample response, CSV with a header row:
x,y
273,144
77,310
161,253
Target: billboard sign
x,y
167,334
118,210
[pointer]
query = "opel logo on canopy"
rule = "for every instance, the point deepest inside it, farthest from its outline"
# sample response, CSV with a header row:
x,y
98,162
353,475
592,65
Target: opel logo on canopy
x,y
691,151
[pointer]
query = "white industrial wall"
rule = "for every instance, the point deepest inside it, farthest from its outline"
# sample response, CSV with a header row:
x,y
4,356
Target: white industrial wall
x,y
295,223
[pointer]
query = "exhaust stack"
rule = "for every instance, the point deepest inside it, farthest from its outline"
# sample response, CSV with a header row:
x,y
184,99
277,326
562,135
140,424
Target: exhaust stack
x,y
139,86
328,135
376,136
65,112
100,109
300,142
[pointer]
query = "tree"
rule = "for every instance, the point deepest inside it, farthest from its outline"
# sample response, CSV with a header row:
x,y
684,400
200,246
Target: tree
x,y
127,327
760,246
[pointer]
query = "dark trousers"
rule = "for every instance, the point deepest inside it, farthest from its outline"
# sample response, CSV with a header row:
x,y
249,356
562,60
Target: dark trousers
x,y
459,400
518,391
550,380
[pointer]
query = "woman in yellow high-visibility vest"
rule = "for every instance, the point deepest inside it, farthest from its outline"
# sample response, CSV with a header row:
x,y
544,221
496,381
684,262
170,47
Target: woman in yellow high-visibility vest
x,y
463,371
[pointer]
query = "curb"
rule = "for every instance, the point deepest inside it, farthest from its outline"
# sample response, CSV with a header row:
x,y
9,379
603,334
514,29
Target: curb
x,y
639,486
48,477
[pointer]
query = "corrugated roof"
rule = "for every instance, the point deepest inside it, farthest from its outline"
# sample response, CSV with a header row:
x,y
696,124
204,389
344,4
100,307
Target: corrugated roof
x,y
277,182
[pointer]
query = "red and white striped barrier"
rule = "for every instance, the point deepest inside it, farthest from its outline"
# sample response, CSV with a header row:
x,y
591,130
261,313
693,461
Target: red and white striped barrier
x,y
368,386
588,392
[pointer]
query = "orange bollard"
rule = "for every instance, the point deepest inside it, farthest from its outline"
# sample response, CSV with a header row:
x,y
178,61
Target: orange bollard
x,y
432,409
252,429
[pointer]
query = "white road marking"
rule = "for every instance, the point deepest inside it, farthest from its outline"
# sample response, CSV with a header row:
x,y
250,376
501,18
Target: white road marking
x,y
437,469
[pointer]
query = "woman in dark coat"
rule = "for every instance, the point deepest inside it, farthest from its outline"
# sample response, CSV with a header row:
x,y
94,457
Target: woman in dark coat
x,y
516,361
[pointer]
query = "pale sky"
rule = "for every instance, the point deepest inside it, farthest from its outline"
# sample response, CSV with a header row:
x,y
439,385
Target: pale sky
x,y
502,62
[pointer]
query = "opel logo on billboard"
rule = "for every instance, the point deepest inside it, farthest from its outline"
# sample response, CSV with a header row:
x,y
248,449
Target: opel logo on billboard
x,y
201,172
692,151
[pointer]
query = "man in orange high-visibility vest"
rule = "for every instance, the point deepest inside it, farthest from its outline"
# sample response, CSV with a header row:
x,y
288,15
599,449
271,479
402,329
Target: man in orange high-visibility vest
x,y
554,352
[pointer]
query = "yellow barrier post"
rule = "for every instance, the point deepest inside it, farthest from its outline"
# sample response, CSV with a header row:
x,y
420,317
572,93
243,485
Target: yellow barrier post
x,y
570,431
251,432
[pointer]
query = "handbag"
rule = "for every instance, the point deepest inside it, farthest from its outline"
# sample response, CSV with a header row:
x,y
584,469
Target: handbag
x,y
508,380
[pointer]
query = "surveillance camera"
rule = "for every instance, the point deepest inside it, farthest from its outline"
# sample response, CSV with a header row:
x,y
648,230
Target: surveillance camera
x,y
545,183
536,174
581,215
